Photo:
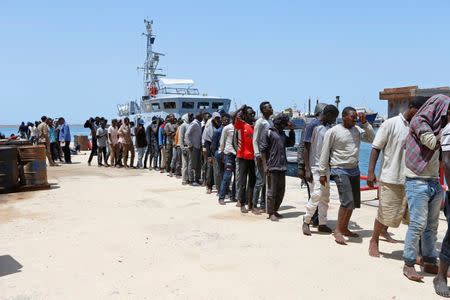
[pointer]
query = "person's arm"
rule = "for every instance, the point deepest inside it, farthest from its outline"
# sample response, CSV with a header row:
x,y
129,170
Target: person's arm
x,y
264,148
324,162
188,136
290,141
256,139
300,160
223,139
148,134
429,140
371,178
367,133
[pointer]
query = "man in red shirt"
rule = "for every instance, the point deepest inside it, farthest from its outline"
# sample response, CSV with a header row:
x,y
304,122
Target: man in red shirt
x,y
245,156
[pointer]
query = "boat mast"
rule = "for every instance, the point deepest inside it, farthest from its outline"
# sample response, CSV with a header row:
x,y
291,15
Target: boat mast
x,y
151,61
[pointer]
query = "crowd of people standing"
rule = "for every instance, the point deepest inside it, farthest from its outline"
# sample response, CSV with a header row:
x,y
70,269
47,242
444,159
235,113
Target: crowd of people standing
x,y
244,159
53,134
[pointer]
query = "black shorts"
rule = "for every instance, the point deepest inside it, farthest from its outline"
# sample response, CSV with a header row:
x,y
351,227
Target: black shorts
x,y
349,190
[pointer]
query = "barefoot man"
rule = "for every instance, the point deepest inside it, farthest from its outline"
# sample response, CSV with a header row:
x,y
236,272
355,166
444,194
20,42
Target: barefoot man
x,y
340,153
440,281
423,191
390,139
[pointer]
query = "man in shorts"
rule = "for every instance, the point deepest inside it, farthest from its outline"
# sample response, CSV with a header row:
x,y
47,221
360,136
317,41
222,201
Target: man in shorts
x,y
390,139
340,153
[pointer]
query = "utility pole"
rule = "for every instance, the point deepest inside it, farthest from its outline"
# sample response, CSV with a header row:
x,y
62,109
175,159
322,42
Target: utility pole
x,y
338,101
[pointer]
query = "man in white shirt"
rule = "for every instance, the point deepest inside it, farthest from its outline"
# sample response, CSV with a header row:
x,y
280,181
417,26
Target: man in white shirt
x,y
320,195
113,141
390,139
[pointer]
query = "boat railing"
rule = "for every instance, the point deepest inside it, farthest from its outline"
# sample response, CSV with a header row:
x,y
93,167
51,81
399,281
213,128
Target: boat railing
x,y
179,91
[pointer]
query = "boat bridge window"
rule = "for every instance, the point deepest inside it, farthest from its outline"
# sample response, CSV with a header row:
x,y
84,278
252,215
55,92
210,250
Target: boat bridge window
x,y
203,105
217,105
155,106
187,105
170,105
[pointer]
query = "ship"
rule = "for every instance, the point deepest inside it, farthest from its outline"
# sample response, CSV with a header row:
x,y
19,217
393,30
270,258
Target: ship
x,y
163,96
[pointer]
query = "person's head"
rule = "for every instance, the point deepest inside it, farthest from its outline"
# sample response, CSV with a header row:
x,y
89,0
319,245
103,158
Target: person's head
x,y
141,123
43,118
226,118
171,118
114,122
216,119
61,121
126,121
36,123
200,116
97,120
281,121
22,124
49,122
266,109
190,117
206,116
248,115
103,123
349,117
414,106
329,114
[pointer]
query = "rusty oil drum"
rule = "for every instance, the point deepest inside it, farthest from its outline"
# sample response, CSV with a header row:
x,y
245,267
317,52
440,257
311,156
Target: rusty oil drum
x,y
33,165
9,172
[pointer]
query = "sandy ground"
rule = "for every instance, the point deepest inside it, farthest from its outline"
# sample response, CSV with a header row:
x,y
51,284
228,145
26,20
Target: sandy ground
x,y
135,234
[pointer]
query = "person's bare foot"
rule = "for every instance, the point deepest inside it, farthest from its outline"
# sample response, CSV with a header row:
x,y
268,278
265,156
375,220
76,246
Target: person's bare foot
x,y
430,268
348,233
440,287
388,237
411,274
339,238
373,248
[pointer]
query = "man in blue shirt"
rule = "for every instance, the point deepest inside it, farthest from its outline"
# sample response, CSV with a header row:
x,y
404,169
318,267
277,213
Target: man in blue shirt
x,y
64,139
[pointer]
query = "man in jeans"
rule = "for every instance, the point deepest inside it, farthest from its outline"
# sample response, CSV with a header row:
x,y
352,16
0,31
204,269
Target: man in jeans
x,y
262,125
141,142
440,281
245,118
273,151
423,191
193,139
340,153
64,139
227,154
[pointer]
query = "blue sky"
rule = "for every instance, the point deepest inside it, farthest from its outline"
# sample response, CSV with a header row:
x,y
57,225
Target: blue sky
x,y
79,58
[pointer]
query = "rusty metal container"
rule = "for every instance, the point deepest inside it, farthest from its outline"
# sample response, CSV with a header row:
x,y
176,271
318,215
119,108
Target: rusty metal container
x,y
9,172
33,165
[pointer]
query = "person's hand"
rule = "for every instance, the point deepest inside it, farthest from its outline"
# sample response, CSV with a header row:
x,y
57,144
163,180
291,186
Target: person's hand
x,y
323,180
371,179
308,175
259,162
210,160
438,145
301,173
362,118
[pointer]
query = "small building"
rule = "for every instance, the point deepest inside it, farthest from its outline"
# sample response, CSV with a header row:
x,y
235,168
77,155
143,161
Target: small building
x,y
399,98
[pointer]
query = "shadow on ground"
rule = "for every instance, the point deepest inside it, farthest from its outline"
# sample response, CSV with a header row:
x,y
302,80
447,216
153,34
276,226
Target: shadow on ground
x,y
8,265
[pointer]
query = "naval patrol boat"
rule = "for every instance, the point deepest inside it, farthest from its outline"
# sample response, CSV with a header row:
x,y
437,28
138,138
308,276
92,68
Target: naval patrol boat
x,y
163,96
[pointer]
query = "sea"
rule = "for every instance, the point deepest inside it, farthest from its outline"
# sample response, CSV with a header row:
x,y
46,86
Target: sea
x,y
292,168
